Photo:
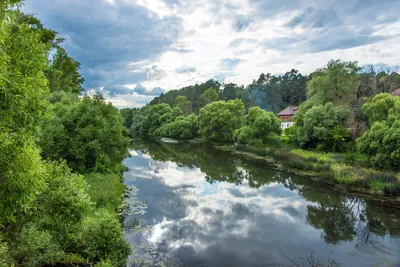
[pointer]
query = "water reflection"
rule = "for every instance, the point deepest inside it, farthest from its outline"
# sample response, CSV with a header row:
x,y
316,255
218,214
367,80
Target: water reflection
x,y
207,207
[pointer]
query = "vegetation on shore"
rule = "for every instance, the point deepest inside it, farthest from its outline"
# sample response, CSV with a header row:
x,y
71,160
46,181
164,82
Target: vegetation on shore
x,y
347,111
347,171
61,189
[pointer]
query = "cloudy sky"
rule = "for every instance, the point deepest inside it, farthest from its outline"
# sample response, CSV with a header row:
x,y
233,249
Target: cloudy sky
x,y
132,50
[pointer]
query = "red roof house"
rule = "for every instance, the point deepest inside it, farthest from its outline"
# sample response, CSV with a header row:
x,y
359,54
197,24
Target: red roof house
x,y
396,93
287,114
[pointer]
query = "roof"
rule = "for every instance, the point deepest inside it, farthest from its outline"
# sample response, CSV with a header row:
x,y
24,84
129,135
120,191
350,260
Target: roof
x,y
397,92
289,111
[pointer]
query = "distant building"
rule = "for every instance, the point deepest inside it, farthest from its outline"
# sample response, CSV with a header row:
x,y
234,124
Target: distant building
x,y
286,116
396,93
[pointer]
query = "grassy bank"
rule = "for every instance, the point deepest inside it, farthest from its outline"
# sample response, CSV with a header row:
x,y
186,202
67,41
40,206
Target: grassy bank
x,y
347,171
105,233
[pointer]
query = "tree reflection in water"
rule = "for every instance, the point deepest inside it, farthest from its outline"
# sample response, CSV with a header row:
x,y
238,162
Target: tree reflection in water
x,y
340,217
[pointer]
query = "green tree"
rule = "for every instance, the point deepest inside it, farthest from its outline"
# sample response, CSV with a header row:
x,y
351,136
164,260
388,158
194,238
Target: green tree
x,y
89,135
23,104
180,128
127,115
219,120
184,104
42,204
152,121
63,74
322,127
260,128
321,121
170,116
380,106
337,82
210,95
192,92
231,91
138,117
48,36
381,142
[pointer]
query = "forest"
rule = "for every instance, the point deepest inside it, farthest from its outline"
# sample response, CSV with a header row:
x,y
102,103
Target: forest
x,y
61,190
343,109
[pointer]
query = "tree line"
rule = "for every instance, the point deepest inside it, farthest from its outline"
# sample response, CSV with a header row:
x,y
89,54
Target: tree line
x,y
342,107
276,92
60,163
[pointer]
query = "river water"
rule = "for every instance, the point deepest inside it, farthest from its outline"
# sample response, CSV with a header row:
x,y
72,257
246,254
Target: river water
x,y
207,207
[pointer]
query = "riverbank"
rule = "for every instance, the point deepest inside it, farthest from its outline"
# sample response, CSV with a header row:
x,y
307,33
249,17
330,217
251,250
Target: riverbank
x,y
250,210
348,172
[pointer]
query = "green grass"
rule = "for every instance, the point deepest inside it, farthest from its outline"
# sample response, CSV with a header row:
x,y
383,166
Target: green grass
x,y
347,171
106,190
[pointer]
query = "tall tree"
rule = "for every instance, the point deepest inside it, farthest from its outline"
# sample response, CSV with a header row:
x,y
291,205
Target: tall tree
x,y
184,104
219,120
337,83
210,95
261,127
89,135
63,74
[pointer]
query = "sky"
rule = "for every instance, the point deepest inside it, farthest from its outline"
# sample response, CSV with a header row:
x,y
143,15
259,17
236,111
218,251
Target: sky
x,y
133,50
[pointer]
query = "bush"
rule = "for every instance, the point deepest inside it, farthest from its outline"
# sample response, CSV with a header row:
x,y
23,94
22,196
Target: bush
x,y
89,135
261,127
382,141
322,127
157,115
106,190
219,120
181,128
382,144
103,239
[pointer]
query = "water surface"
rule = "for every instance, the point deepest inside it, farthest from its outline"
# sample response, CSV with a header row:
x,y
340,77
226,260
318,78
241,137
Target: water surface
x,y
207,207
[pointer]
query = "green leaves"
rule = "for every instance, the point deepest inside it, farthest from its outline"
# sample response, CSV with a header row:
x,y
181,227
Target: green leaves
x,y
180,128
317,128
89,135
154,118
337,83
380,106
44,206
261,127
63,74
382,141
219,120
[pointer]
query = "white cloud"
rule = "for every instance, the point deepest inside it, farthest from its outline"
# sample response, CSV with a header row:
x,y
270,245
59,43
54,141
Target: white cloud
x,y
151,39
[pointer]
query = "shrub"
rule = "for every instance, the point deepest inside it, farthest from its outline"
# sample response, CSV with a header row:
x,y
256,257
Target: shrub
x,y
219,120
322,127
89,135
106,190
261,127
180,128
103,238
382,141
382,144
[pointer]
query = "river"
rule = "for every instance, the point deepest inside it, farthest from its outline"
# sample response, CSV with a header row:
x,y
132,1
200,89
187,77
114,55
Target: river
x,y
208,207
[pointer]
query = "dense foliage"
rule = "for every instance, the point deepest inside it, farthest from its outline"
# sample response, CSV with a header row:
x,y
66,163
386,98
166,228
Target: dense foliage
x,y
63,74
48,213
382,141
322,127
180,128
192,94
89,134
218,120
270,92
261,127
321,120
